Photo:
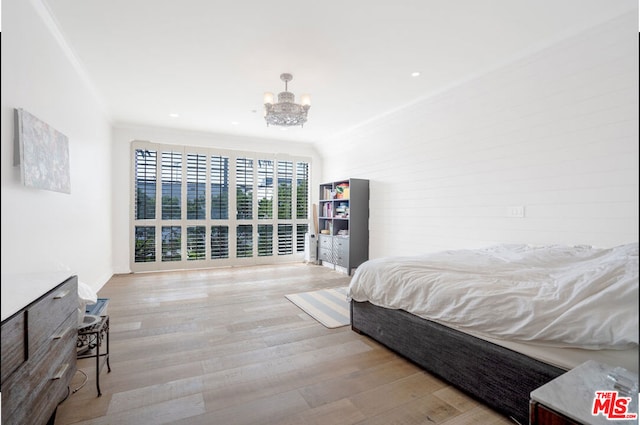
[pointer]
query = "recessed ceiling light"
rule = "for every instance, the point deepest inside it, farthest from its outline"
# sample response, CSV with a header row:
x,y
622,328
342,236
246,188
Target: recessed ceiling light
x,y
174,115
234,123
415,74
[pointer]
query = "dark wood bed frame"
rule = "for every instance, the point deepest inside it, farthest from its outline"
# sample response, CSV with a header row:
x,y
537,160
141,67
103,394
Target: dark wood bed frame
x,y
499,377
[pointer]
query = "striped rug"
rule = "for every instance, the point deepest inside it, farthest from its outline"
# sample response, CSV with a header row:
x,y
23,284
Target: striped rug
x,y
328,306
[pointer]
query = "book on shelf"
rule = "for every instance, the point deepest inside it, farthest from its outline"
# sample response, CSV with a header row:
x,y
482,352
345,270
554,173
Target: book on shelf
x,y
327,193
327,210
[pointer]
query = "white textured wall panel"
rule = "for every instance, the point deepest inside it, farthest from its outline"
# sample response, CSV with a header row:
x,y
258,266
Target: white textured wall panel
x,y
555,132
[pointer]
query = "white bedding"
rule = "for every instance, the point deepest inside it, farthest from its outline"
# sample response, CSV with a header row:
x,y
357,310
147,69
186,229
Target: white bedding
x,y
556,295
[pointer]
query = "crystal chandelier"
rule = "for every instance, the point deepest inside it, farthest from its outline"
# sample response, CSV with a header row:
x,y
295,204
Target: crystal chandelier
x,y
286,112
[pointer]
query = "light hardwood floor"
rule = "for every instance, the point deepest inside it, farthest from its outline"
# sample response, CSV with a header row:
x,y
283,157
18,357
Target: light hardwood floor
x,y
224,346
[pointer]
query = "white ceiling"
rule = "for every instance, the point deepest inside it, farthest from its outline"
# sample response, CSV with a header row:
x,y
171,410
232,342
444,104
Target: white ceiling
x,y
210,61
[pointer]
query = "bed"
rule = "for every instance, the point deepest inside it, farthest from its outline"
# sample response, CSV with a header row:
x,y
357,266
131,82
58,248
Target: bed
x,y
500,321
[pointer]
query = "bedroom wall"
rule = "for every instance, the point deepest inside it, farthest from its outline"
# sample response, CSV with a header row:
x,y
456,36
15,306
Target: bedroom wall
x,y
124,134
555,131
45,231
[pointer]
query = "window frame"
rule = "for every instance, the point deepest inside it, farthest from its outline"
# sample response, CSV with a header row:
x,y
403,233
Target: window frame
x,y
231,222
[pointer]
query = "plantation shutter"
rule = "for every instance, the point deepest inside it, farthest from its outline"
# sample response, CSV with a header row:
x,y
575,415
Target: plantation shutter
x,y
219,242
285,177
219,187
244,241
145,184
171,185
285,239
265,240
244,188
171,243
183,200
302,190
196,242
196,186
265,189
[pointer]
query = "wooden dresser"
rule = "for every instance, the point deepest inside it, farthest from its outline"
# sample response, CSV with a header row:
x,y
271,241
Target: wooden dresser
x,y
38,352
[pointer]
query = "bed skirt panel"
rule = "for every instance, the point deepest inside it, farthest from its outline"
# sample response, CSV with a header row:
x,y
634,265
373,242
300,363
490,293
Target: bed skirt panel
x,y
499,377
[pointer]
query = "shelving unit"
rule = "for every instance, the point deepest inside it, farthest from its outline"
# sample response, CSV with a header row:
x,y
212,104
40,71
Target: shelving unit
x,y
343,222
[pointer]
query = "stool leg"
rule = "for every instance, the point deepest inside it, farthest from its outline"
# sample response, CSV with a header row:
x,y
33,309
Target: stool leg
x,y
98,344
107,354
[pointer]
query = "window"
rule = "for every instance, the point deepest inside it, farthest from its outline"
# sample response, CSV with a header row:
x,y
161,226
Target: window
x,y
265,189
217,207
171,185
171,243
244,246
285,239
265,240
244,188
145,185
301,229
145,244
219,242
285,176
302,190
196,242
219,187
196,186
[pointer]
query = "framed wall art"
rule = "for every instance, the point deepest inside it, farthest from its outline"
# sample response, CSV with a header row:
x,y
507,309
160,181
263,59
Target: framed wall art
x,y
42,153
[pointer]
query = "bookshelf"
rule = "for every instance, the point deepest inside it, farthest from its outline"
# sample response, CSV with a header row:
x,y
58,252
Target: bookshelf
x,y
343,223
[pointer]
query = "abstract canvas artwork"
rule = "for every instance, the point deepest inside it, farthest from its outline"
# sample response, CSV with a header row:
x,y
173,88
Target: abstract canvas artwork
x,y
43,154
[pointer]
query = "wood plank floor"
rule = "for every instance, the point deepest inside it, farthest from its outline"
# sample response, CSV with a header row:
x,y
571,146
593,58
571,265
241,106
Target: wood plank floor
x,y
224,346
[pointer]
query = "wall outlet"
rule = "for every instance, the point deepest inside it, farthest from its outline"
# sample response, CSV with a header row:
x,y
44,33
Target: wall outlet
x,y
515,211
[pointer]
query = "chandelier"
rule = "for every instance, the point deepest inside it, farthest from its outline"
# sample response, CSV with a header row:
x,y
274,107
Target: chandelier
x,y
286,112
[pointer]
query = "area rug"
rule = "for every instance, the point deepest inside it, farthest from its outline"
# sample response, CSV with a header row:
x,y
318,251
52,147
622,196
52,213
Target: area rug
x,y
328,306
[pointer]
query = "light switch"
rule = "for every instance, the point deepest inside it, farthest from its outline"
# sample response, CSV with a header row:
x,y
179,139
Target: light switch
x,y
515,211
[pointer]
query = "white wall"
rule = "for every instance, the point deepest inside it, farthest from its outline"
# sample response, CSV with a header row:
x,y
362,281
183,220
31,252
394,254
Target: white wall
x,y
45,231
123,135
555,131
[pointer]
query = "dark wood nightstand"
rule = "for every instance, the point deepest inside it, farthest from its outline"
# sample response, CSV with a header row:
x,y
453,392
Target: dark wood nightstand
x,y
542,415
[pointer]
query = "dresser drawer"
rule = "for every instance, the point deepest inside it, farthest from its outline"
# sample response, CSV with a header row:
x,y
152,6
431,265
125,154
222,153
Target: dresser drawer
x,y
30,395
45,316
325,242
14,349
325,255
342,261
341,246
341,251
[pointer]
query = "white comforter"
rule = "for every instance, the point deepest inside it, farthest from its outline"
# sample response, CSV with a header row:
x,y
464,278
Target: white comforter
x,y
555,295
